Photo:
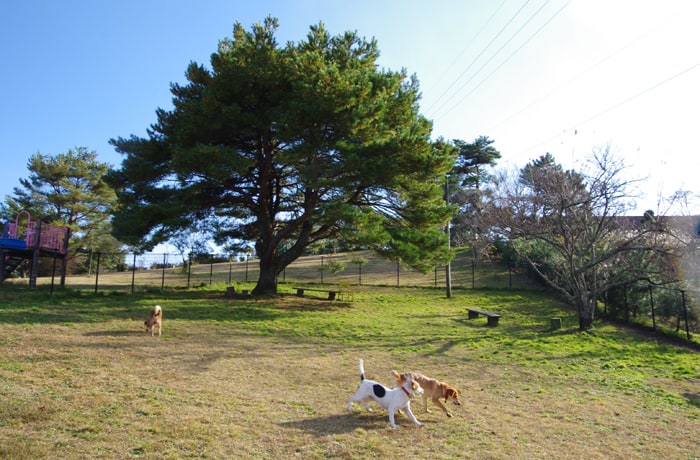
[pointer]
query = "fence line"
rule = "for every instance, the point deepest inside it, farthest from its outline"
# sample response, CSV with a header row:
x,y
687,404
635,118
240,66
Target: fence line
x,y
673,308
156,270
658,306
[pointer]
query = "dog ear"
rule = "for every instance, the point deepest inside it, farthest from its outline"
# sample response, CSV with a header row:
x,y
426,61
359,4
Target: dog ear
x,y
449,391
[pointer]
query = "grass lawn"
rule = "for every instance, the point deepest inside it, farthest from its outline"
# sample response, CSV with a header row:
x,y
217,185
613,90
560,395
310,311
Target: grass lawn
x,y
246,378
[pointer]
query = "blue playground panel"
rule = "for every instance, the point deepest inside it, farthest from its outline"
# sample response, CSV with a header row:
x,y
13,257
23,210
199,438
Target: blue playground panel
x,y
11,243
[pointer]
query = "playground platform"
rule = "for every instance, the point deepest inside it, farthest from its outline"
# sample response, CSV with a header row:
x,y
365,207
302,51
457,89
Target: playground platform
x,y
27,239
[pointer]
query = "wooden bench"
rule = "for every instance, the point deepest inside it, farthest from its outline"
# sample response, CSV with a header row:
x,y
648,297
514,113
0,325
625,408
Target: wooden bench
x,y
331,292
492,317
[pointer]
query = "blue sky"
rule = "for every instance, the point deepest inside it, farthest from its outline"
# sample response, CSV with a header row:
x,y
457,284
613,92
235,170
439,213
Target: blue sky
x,y
536,76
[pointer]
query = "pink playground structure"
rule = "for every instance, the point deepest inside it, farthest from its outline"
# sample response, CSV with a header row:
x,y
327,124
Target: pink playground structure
x,y
25,239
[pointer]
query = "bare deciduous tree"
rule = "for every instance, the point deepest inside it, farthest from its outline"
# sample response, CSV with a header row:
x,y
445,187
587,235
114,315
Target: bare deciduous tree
x,y
571,227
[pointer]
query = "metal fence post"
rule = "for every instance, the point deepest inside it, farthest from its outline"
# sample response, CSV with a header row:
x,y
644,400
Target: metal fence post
x,y
473,273
685,313
211,268
398,271
97,271
653,313
189,271
133,274
162,277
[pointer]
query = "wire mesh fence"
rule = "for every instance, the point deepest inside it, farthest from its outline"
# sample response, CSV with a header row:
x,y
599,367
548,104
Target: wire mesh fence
x,y
364,268
669,308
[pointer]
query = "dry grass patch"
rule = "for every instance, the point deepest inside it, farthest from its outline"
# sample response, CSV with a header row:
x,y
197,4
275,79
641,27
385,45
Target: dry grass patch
x,y
276,387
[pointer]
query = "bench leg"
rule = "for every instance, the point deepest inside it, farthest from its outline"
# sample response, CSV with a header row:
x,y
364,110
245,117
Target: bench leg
x,y
300,292
331,295
472,314
493,321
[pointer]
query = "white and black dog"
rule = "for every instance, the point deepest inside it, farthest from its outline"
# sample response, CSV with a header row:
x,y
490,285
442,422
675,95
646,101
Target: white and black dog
x,y
390,399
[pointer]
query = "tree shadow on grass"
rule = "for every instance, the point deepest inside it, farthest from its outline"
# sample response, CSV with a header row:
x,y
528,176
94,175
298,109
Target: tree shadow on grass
x,y
89,312
79,307
314,305
121,333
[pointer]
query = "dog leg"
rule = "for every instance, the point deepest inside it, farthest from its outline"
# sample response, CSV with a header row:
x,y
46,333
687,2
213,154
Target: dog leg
x,y
353,399
412,417
391,419
442,406
425,403
359,399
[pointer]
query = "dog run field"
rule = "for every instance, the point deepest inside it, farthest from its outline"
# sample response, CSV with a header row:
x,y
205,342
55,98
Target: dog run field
x,y
245,378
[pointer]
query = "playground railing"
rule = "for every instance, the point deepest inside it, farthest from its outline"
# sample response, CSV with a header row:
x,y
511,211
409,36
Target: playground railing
x,y
51,238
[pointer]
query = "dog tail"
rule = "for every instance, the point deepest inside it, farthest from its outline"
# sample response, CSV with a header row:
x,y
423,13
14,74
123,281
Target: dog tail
x,y
397,378
362,371
158,311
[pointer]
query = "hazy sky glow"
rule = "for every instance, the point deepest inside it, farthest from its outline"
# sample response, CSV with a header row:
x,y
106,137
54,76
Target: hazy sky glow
x,y
536,76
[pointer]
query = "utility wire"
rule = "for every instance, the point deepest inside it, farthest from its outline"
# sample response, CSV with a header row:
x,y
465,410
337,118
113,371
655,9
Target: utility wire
x,y
551,18
608,57
469,43
609,109
477,58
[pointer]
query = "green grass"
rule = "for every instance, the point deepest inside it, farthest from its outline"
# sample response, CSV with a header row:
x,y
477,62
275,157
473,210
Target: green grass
x,y
269,378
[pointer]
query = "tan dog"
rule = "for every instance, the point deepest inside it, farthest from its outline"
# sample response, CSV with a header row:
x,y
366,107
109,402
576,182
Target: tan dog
x,y
432,389
156,319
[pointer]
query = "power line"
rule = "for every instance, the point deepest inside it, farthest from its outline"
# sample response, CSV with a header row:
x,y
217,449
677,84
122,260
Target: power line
x,y
469,43
477,58
613,107
608,57
551,18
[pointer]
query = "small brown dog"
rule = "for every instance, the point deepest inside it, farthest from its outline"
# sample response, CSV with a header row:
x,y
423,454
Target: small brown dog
x,y
432,389
156,319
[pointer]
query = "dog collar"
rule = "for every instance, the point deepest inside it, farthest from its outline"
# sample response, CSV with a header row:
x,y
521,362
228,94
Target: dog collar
x,y
406,391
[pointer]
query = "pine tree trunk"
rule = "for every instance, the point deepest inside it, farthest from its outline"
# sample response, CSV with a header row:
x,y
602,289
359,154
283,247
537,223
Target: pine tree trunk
x,y
267,280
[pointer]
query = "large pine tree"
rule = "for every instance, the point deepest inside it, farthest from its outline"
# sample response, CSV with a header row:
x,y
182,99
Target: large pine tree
x,y
286,146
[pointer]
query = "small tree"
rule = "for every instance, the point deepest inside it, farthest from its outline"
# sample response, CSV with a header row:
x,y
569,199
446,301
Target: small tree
x,y
359,261
336,266
69,190
465,187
